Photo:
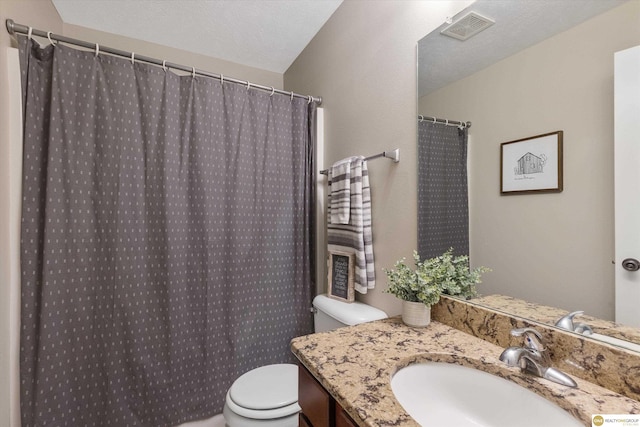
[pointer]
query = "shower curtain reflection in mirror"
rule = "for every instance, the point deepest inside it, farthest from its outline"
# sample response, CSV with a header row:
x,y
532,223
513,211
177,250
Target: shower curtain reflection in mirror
x,y
443,208
165,238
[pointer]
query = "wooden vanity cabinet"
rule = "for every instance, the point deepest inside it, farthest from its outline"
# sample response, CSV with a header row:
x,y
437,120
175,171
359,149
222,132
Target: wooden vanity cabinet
x,y
319,409
314,400
342,418
302,421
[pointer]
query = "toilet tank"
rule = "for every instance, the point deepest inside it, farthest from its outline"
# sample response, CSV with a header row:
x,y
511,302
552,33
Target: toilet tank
x,y
331,314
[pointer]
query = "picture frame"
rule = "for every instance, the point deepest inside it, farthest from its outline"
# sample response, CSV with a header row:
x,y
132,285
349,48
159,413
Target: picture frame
x,y
532,165
342,269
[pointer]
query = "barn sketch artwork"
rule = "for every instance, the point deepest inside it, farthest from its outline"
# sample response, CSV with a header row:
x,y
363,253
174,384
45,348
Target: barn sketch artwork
x,y
532,164
529,164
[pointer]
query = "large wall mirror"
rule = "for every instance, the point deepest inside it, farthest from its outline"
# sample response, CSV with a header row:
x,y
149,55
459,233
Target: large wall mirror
x,y
543,66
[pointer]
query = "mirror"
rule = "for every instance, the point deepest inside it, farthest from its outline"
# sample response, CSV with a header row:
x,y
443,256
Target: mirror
x,y
544,66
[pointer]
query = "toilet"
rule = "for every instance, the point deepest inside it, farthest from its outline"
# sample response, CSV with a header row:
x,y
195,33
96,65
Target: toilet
x,y
268,396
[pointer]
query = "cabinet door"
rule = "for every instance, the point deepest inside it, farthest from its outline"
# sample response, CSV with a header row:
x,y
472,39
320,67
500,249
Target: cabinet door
x,y
302,421
313,399
342,418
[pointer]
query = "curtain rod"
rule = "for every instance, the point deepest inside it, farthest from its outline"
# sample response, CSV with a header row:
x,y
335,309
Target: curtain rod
x,y
393,155
13,27
444,121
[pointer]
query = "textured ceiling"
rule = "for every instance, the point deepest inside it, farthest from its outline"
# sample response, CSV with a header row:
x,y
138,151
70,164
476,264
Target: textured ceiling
x,y
266,34
270,34
518,24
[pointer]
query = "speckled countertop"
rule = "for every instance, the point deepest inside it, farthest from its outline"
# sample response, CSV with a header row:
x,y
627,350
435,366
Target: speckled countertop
x,y
355,364
550,315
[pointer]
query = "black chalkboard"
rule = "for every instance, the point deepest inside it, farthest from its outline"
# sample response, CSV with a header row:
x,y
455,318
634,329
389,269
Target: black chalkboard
x,y
341,271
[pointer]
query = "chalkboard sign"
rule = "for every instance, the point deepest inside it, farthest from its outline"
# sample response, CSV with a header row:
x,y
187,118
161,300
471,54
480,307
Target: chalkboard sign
x,y
341,274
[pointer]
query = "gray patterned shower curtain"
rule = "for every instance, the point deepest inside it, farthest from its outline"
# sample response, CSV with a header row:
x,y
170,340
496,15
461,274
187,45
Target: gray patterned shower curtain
x,y
165,238
443,206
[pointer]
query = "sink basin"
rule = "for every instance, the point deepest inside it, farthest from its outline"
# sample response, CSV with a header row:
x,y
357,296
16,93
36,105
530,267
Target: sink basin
x,y
439,394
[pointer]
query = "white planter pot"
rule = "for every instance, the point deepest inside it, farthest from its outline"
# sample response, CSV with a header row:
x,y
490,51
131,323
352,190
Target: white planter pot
x,y
416,314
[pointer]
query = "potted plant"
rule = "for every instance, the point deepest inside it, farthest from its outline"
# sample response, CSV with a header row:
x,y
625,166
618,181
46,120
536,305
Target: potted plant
x,y
421,287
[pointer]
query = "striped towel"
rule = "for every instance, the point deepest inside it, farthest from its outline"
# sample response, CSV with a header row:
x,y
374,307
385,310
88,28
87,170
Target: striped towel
x,y
340,194
356,235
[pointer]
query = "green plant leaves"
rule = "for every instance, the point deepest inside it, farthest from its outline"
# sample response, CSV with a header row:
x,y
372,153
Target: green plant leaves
x,y
444,274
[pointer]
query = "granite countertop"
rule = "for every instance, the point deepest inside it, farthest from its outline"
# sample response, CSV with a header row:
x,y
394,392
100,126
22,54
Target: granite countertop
x,y
550,315
355,364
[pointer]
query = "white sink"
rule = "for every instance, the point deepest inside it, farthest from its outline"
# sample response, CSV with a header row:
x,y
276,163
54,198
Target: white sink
x,y
445,394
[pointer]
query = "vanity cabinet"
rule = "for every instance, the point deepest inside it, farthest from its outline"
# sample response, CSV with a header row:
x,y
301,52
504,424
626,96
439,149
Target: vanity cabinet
x,y
319,409
302,421
342,418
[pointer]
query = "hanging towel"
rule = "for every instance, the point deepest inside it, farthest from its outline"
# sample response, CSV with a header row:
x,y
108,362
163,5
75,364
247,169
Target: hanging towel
x,y
355,236
340,190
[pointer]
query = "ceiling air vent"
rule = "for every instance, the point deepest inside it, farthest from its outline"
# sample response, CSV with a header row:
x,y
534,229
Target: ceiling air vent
x,y
467,26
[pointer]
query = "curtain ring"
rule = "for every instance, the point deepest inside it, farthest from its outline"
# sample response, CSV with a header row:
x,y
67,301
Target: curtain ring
x,y
164,65
193,72
222,79
446,122
434,120
309,102
49,37
29,34
272,91
133,58
97,50
292,96
248,86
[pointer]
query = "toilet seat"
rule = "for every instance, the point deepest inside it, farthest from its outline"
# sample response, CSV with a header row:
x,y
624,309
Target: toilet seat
x,y
266,392
264,414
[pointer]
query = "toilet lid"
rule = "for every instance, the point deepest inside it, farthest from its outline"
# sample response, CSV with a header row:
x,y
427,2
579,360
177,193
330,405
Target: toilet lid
x,y
267,387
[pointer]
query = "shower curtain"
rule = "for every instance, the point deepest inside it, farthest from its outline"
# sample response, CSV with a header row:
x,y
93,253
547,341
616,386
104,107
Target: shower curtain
x,y
165,238
443,207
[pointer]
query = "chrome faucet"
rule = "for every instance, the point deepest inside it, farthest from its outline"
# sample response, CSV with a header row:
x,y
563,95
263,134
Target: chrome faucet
x,y
566,322
533,358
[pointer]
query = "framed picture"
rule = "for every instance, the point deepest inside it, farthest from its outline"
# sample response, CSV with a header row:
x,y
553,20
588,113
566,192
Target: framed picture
x,y
342,271
532,165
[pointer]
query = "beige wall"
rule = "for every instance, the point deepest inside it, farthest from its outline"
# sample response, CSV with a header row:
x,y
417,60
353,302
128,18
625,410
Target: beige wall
x,y
554,249
363,64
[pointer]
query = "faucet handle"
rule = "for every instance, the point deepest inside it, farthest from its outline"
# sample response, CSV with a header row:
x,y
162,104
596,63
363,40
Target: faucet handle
x,y
566,322
533,338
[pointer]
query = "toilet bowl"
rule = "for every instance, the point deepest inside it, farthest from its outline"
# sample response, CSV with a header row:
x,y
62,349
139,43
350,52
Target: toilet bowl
x,y
268,396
